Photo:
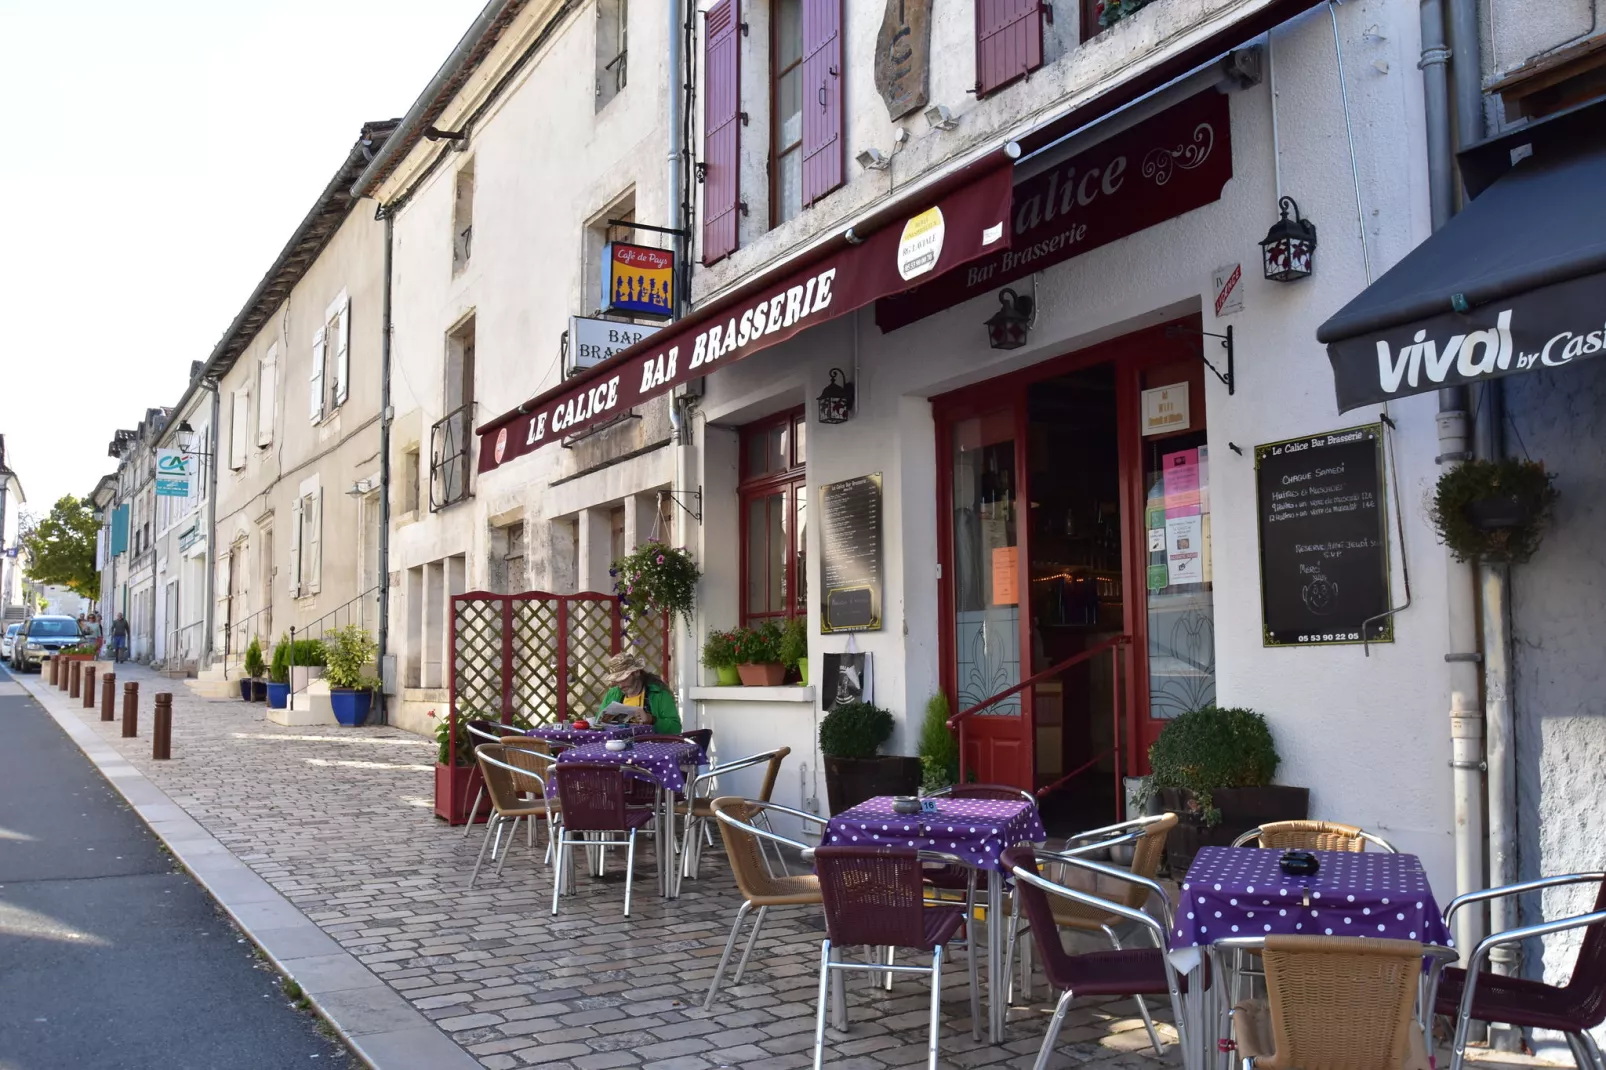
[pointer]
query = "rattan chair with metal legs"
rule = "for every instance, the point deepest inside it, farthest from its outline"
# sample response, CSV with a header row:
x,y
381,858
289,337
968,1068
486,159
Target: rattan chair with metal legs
x,y
593,813
759,886
1312,836
493,732
518,793
696,809
1337,1002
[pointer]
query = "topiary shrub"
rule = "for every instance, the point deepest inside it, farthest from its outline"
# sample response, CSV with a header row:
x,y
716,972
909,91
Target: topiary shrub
x,y
939,750
255,667
1205,750
854,730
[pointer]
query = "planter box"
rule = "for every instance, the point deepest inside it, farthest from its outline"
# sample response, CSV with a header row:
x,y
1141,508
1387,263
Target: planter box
x,y
727,676
768,674
455,788
278,695
350,707
247,689
1241,810
850,781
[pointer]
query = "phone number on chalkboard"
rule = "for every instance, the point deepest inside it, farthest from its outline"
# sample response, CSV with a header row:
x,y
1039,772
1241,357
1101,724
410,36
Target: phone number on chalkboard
x,y
1329,637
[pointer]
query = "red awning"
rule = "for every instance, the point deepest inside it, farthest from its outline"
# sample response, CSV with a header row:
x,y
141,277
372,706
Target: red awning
x,y
932,232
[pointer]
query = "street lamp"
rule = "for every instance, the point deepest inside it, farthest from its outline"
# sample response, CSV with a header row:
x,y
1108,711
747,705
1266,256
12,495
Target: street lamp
x,y
836,400
1010,325
1290,246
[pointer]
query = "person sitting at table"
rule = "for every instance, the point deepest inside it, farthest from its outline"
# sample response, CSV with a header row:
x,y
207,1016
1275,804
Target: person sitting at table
x,y
631,684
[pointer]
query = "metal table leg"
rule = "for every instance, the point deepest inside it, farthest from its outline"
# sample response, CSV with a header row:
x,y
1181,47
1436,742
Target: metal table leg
x,y
995,940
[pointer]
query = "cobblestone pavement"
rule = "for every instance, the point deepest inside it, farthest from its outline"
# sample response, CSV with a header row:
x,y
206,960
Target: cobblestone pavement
x,y
340,821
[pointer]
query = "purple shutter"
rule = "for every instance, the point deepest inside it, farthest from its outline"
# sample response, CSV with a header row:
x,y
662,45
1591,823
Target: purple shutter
x,y
1009,41
822,98
721,122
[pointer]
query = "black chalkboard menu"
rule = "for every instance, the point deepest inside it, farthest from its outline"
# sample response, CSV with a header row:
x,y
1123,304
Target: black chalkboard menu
x,y
850,555
1324,568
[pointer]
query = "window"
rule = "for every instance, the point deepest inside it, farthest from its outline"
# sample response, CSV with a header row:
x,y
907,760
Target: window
x,y
239,429
599,233
452,437
806,157
786,122
409,480
1009,41
720,170
329,381
613,18
267,371
306,542
463,218
774,511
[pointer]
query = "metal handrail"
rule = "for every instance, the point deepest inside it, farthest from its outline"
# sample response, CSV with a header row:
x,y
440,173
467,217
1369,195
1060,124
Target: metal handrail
x,y
332,614
1037,678
239,627
173,636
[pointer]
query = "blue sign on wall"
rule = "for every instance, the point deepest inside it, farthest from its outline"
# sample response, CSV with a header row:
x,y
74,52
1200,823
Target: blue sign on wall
x,y
119,529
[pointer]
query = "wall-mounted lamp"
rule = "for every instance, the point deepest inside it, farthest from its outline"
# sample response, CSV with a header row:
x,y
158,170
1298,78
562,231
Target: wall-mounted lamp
x,y
836,400
187,442
1010,325
873,159
1289,250
938,117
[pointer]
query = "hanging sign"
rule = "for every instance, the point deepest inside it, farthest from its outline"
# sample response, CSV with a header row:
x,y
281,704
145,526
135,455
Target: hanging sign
x,y
850,555
592,341
903,56
1227,282
172,474
1324,570
638,280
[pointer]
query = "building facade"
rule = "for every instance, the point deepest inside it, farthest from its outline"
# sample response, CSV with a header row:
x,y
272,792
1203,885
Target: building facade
x,y
128,508
183,516
11,503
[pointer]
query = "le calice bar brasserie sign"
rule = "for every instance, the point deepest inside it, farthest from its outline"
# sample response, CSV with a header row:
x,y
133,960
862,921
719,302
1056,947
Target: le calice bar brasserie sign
x,y
1159,169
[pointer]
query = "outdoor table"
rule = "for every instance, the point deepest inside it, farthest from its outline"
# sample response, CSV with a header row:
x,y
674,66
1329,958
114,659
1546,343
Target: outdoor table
x,y
1242,891
665,764
975,830
576,737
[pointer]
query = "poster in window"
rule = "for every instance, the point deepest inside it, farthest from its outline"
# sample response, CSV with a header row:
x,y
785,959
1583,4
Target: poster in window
x,y
847,679
850,555
1323,519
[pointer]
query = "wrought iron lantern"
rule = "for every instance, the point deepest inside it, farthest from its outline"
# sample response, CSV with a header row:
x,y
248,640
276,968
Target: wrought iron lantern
x,y
836,400
1009,326
1290,246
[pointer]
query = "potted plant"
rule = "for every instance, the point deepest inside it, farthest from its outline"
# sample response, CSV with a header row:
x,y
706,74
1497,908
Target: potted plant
x,y
939,750
306,661
719,654
655,579
255,668
1493,511
348,652
795,647
850,737
279,676
758,655
457,774
1213,768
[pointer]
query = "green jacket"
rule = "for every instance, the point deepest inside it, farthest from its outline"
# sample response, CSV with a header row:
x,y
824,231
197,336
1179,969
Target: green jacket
x,y
660,701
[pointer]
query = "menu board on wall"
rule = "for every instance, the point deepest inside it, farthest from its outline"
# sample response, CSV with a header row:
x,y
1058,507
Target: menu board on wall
x,y
850,555
1324,569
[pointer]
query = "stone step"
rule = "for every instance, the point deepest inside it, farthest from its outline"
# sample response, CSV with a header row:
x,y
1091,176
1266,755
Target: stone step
x,y
219,688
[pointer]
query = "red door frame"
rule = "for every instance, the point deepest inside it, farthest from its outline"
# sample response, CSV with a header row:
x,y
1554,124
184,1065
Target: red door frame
x,y
1130,355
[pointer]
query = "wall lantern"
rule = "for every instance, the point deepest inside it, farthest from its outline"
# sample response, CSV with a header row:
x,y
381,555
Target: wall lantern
x,y
1012,322
1290,245
836,400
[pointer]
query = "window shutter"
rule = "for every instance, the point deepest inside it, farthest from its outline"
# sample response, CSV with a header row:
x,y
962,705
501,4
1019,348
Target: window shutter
x,y
1009,41
822,98
315,385
342,370
295,548
239,429
266,391
722,107
314,547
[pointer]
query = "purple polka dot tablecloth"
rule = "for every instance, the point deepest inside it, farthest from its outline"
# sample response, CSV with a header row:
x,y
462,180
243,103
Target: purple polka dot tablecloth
x,y
665,762
574,737
1241,891
977,830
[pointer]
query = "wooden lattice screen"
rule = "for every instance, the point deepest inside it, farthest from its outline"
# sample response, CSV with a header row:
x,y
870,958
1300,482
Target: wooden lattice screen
x,y
540,655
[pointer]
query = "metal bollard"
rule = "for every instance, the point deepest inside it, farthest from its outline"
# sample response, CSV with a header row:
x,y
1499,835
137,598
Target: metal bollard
x,y
75,677
89,687
108,697
131,709
162,726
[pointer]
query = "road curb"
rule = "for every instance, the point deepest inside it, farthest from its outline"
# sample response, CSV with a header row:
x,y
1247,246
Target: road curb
x,y
381,1028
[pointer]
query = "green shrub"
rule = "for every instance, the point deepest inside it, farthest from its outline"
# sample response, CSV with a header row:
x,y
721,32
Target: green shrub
x,y
299,653
794,641
939,750
1205,750
719,650
254,665
760,645
347,652
854,730
1524,484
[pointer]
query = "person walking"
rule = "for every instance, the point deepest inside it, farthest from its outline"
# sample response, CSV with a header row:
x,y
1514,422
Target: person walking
x,y
119,634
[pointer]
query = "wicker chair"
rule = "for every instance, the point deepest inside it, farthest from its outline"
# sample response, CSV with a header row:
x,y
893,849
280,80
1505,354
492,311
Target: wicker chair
x,y
874,896
1336,1003
697,808
1137,973
984,791
517,790
1572,1009
760,887
492,732
592,805
1312,836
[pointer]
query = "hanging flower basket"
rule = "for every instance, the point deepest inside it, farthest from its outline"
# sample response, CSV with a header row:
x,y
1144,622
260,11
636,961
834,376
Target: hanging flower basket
x,y
1494,511
656,579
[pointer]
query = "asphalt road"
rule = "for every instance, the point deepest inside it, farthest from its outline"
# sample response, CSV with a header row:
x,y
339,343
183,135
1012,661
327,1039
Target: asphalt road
x,y
112,958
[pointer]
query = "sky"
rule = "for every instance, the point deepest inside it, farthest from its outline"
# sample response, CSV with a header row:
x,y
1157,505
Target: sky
x,y
158,157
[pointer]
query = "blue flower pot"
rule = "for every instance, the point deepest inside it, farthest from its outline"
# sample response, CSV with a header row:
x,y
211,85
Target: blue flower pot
x,y
351,707
278,695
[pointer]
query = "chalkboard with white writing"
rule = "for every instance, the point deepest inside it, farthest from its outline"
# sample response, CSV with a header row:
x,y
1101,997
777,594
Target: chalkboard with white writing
x,y
850,555
1324,567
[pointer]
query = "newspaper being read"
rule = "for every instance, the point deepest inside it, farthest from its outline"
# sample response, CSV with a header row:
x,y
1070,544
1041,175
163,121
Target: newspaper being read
x,y
619,713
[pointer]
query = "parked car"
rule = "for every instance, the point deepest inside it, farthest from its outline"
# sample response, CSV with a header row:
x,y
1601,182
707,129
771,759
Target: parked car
x,y
6,639
41,637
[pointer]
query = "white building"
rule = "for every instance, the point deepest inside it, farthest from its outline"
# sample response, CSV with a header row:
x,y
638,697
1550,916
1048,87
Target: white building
x,y
11,503
182,528
128,576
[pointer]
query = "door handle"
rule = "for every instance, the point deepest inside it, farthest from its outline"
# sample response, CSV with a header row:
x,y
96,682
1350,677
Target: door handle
x,y
822,95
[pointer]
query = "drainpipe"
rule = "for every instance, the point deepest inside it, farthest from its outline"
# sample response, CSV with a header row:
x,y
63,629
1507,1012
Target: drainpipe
x,y
384,461
211,386
679,405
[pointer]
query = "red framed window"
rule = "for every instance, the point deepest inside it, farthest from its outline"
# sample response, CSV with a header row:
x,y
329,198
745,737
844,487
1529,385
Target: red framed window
x,y
774,519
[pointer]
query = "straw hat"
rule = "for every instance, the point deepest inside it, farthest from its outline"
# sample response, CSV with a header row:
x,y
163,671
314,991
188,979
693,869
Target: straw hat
x,y
622,666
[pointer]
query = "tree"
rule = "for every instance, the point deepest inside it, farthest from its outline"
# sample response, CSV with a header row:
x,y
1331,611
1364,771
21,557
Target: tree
x,y
61,547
